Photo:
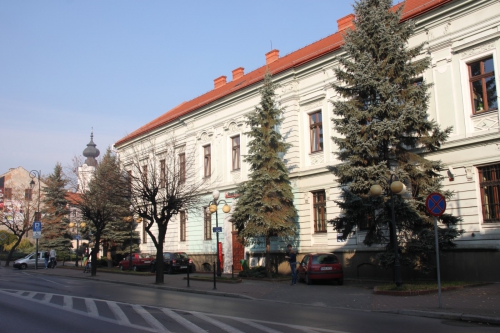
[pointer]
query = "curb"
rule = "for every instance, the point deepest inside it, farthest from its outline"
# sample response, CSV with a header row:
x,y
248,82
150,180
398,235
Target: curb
x,y
153,286
445,315
424,292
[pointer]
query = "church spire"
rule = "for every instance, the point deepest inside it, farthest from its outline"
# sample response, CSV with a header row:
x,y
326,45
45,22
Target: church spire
x,y
91,152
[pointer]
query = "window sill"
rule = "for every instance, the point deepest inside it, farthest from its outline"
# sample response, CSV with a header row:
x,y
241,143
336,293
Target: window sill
x,y
236,170
484,113
317,152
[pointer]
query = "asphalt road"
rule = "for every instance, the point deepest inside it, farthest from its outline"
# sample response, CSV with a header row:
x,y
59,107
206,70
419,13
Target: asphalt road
x,y
59,304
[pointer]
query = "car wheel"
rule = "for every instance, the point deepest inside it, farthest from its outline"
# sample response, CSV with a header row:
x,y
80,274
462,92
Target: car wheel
x,y
121,268
308,279
24,266
340,281
135,268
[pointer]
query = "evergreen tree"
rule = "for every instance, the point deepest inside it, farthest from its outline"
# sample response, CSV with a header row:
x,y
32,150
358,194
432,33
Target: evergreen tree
x,y
384,128
116,239
107,200
265,207
55,213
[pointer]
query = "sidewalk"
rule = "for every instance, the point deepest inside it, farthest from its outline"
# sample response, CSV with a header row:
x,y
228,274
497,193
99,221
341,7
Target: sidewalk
x,y
479,304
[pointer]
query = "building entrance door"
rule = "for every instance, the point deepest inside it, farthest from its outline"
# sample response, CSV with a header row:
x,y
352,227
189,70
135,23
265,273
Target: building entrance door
x,y
238,252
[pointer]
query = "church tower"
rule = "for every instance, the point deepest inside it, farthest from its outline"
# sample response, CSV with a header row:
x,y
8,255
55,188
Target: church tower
x,y
86,171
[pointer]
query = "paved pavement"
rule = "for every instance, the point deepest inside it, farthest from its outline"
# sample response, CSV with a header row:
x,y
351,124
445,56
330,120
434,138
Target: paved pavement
x,y
479,304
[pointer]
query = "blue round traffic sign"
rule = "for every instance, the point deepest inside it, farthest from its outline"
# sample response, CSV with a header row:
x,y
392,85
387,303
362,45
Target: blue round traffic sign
x,y
436,204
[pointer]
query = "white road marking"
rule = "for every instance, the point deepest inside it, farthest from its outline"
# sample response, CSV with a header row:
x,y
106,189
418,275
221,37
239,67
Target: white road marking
x,y
150,319
184,322
91,308
217,323
68,302
120,315
258,326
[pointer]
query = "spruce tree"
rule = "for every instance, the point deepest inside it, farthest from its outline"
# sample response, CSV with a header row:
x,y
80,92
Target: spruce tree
x,y
383,127
265,207
55,213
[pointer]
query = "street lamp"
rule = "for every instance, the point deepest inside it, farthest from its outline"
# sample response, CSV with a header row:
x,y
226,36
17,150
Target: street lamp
x,y
212,208
36,174
78,225
396,187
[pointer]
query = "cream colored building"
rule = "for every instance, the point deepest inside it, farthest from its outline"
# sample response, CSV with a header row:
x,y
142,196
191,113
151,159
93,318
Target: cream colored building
x,y
463,43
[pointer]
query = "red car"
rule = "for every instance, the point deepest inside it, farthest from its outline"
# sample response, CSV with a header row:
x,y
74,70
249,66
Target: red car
x,y
139,260
320,266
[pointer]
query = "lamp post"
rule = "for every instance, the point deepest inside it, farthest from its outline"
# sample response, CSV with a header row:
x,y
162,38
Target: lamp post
x,y
212,208
395,187
36,174
78,225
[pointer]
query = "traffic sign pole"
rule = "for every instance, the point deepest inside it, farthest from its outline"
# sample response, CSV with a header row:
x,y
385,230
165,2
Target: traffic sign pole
x,y
436,205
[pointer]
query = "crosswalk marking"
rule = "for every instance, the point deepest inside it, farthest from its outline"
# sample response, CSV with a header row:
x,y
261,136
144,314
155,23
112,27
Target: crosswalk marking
x,y
217,323
125,314
119,314
184,322
150,319
91,308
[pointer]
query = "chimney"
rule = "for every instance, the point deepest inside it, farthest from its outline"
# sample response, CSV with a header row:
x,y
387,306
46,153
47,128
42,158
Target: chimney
x,y
272,56
238,72
347,22
219,82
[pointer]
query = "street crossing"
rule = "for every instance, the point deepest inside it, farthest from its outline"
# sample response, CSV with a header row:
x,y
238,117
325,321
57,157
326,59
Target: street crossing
x,y
157,319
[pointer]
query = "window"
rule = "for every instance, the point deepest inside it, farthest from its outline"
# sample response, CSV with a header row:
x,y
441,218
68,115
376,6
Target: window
x,y
207,161
182,167
319,205
489,183
145,175
236,152
366,223
7,193
162,174
316,129
482,85
208,224
183,226
28,194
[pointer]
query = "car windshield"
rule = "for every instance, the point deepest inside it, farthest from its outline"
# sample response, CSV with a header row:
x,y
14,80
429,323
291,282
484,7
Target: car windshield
x,y
325,259
29,255
180,256
144,255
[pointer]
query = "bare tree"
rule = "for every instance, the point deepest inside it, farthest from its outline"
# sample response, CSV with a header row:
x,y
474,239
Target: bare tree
x,y
106,200
18,214
163,183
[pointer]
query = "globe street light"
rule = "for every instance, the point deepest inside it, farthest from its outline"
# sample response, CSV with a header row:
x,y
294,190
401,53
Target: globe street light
x,y
396,187
212,208
36,174
78,225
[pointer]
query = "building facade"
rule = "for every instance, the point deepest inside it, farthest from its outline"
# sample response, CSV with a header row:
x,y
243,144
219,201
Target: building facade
x,y
462,39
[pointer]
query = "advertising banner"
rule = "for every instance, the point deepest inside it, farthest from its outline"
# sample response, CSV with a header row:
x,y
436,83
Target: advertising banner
x,y
220,257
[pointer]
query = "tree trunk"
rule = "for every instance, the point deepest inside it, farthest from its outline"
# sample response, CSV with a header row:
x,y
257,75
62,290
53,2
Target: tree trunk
x,y
108,255
160,278
11,252
93,268
268,257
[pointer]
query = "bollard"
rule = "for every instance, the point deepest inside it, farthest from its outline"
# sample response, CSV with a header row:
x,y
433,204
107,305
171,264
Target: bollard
x,y
232,271
215,286
188,269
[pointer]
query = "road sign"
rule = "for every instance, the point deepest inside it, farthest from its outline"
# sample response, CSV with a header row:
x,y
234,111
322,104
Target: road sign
x,y
77,237
217,229
37,226
436,204
37,234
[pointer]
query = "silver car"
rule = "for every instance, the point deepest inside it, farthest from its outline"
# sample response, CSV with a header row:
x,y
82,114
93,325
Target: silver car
x,y
29,261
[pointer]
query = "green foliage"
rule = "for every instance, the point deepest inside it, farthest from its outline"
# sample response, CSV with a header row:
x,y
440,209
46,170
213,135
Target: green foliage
x,y
383,128
265,206
55,213
6,238
24,246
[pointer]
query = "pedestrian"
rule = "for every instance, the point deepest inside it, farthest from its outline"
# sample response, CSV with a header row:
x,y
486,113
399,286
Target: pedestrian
x,y
292,259
53,258
86,263
46,257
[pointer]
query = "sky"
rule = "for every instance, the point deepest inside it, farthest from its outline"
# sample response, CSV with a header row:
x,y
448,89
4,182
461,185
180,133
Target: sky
x,y
68,67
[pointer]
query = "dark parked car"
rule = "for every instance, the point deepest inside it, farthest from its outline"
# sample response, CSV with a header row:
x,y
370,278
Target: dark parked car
x,y
320,266
174,262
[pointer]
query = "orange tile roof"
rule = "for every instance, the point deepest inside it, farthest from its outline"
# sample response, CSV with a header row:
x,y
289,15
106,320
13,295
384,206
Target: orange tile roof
x,y
413,8
72,197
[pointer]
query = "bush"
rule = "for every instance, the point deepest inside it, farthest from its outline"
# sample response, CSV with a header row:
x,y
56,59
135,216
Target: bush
x,y
255,272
